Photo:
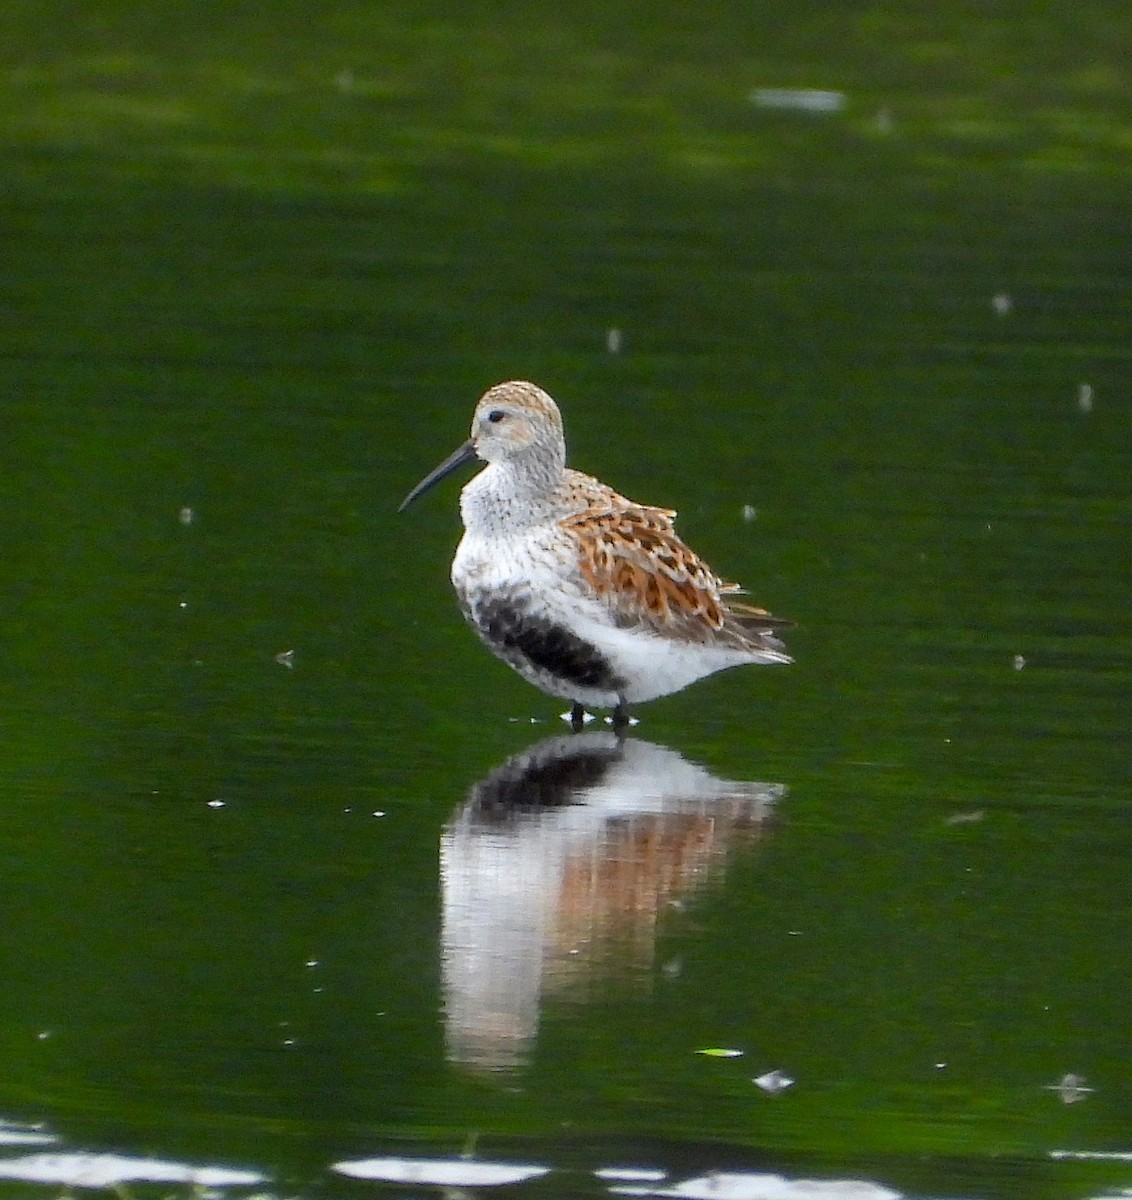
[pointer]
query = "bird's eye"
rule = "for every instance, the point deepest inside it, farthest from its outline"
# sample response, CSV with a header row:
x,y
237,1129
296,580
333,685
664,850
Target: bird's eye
x,y
496,415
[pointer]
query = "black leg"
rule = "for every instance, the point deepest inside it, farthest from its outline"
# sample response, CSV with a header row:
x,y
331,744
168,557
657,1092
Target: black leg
x,y
621,715
577,718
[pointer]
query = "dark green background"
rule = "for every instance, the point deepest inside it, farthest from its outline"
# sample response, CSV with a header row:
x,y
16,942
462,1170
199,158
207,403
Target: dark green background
x,y
261,260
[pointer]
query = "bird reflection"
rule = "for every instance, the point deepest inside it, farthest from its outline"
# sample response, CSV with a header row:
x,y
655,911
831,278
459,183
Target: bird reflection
x,y
556,869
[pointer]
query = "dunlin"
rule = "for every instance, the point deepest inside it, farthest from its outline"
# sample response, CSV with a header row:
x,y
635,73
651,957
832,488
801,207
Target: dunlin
x,y
589,596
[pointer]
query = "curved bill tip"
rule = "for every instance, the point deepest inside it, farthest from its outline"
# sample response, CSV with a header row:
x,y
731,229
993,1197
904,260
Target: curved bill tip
x,y
455,460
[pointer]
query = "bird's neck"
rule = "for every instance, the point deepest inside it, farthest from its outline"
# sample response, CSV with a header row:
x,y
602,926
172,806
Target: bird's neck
x,y
502,499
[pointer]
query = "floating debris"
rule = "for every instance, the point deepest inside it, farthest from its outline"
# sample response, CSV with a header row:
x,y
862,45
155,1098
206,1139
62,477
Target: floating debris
x,y
1094,1155
1070,1088
1019,662
1085,397
613,341
773,1082
720,1052
883,122
751,1185
750,513
966,818
344,80
115,1170
1002,304
452,1172
186,515
286,658
810,100
631,1174
12,1134
216,803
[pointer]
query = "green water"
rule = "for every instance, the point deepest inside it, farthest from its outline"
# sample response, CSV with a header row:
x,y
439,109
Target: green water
x,y
255,274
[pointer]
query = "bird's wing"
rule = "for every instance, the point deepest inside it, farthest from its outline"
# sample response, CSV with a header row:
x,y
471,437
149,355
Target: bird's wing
x,y
631,555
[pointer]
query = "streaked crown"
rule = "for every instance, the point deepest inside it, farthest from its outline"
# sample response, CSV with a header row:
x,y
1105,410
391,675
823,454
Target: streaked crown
x,y
516,416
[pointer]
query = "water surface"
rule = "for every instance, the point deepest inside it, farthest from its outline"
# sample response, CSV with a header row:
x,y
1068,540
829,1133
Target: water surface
x,y
369,900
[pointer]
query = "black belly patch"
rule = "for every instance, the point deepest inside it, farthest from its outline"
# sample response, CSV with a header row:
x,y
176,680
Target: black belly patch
x,y
521,638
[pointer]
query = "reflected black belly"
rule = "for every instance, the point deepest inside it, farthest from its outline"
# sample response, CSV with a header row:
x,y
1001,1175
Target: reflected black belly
x,y
524,639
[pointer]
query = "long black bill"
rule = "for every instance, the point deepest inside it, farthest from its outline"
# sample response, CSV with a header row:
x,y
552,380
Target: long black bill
x,y
464,455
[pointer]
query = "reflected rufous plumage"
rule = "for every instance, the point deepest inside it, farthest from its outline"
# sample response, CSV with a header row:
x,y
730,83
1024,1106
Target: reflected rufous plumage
x,y
590,596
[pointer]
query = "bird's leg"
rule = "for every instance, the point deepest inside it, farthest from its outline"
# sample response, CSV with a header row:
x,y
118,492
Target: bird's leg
x,y
621,715
577,717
